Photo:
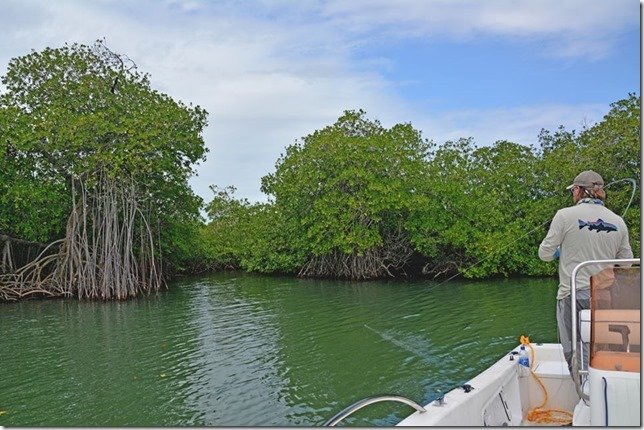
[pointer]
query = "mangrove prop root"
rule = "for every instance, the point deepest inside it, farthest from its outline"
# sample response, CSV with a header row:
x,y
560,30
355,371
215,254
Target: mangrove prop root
x,y
370,264
108,251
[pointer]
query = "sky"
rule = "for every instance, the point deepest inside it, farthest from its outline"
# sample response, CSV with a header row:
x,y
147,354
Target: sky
x,y
272,71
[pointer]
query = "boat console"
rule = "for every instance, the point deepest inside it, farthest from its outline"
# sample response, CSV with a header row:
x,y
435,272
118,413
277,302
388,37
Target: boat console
x,y
611,327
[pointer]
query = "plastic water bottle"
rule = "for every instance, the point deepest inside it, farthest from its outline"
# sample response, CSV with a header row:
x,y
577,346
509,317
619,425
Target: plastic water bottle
x,y
524,361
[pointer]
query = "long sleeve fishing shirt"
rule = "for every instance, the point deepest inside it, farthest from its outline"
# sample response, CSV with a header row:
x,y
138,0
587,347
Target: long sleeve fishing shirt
x,y
586,231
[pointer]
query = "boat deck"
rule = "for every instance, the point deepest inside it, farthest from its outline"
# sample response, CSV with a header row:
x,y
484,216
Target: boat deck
x,y
503,396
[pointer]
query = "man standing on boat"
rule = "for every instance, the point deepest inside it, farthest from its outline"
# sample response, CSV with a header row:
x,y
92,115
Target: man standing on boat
x,y
585,231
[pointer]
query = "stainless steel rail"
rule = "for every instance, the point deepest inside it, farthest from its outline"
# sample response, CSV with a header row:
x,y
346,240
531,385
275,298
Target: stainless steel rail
x,y
573,306
368,401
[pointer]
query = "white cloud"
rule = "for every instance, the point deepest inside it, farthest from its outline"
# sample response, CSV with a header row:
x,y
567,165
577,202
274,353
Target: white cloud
x,y
519,124
572,28
270,72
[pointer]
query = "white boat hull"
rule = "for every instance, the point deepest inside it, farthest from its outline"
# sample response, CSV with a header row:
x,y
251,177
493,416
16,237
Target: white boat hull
x,y
503,397
614,391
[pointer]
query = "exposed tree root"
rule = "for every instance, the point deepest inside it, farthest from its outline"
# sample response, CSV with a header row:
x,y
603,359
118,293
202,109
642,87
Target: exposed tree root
x,y
108,251
371,264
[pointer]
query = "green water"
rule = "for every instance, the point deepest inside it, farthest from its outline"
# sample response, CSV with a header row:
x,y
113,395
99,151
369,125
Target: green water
x,y
242,350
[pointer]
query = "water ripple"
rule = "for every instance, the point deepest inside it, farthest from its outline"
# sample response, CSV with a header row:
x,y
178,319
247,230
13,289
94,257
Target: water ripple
x,y
240,350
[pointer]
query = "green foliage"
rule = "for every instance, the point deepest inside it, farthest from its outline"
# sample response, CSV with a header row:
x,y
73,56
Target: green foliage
x,y
225,234
351,194
267,241
348,188
251,236
355,187
71,112
340,183
481,219
438,228
507,228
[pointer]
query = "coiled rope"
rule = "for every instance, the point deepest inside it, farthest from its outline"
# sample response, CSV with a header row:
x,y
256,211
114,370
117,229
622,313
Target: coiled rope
x,y
538,414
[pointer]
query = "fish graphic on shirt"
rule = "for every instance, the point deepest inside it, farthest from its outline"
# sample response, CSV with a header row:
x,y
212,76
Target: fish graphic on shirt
x,y
599,225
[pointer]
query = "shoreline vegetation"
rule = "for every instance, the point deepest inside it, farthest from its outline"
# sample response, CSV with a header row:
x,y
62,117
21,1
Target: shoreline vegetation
x,y
95,201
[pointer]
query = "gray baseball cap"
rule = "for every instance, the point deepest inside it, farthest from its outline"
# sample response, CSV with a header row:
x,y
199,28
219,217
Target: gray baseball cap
x,y
588,179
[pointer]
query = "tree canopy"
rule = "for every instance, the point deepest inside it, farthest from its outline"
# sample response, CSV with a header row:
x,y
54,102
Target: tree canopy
x,y
95,201
349,188
80,126
357,200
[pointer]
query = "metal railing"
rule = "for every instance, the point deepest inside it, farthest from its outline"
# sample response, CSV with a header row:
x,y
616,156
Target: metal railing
x,y
573,306
368,401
